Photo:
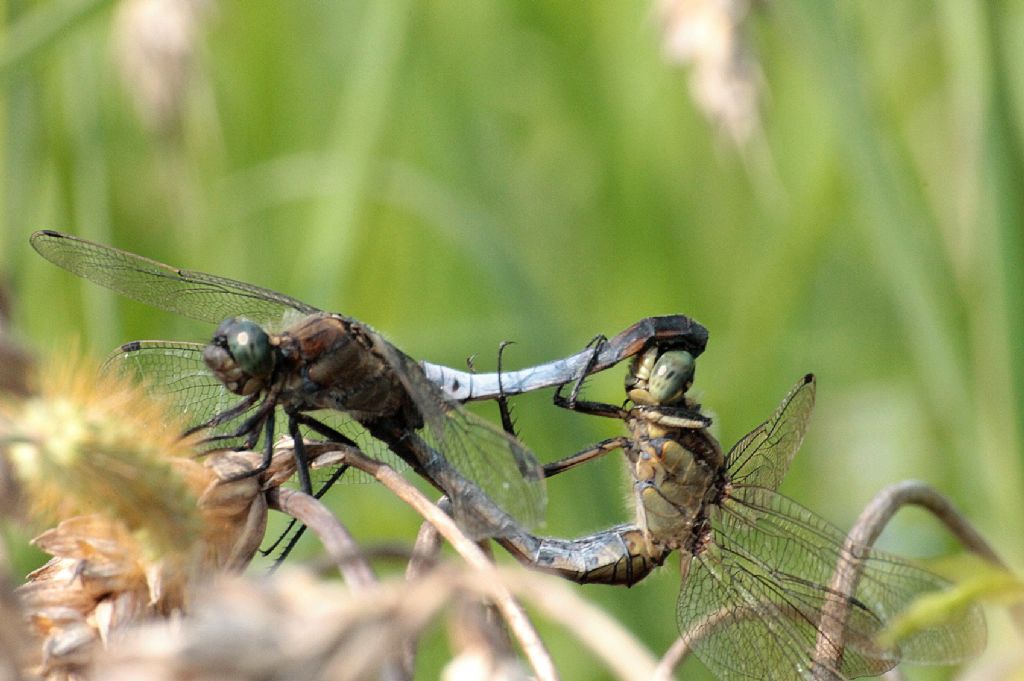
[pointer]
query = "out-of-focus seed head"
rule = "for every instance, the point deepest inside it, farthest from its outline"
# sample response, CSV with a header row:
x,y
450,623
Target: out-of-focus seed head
x,y
156,43
726,80
87,443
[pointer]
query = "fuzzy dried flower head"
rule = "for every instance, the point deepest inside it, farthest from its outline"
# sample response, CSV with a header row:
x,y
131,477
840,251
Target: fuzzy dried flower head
x,y
726,80
88,443
155,43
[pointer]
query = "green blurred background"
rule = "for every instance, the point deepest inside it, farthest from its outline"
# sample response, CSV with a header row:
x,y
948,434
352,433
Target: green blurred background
x,y
462,173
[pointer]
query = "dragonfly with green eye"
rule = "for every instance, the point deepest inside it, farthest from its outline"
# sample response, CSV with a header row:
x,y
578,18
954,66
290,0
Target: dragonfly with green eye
x,y
755,566
328,374
275,358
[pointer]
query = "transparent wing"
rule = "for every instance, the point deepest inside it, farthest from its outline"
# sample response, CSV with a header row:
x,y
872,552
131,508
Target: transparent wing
x,y
176,372
773,559
191,294
741,629
501,466
762,456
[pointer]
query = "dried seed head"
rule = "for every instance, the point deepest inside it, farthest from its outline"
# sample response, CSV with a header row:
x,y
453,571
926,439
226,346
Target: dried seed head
x,y
156,43
726,80
145,522
88,443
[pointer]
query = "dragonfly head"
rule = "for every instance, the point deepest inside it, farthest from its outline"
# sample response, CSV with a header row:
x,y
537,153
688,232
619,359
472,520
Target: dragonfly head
x,y
660,379
240,355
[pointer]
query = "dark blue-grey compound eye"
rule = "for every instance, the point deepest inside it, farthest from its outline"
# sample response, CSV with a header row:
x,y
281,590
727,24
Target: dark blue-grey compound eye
x,y
671,377
249,345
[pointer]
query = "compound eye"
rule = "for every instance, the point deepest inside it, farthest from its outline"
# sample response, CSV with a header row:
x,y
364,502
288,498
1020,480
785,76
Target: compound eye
x,y
639,372
249,345
671,376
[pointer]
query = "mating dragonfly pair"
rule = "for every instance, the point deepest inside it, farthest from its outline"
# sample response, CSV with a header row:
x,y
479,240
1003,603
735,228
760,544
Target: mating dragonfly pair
x,y
746,551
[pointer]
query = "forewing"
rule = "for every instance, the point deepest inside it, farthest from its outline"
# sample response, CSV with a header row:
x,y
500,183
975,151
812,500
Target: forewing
x,y
501,466
762,457
195,295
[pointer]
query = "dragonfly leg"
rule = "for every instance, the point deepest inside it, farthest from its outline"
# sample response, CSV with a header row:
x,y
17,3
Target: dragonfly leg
x,y
268,455
612,411
504,408
585,455
323,429
250,427
294,538
301,464
224,416
595,346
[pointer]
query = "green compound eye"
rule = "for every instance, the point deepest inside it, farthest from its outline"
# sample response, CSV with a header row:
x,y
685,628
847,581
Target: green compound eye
x,y
249,344
671,376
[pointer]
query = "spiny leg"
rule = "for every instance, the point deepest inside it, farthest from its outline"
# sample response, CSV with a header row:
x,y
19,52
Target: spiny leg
x,y
596,344
612,411
504,408
590,453
268,452
297,535
224,416
334,436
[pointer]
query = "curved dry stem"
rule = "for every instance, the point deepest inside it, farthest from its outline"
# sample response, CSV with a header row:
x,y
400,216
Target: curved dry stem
x,y
339,543
510,610
872,520
13,644
603,635
425,553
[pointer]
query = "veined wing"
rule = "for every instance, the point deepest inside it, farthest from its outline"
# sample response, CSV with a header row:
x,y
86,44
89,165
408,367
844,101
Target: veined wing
x,y
762,456
176,372
497,463
770,565
196,295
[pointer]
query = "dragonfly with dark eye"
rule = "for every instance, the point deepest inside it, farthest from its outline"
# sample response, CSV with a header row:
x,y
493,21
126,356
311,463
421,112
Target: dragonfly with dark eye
x,y
331,375
756,567
326,373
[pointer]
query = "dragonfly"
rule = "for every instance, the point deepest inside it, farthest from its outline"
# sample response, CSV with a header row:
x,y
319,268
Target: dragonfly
x,y
755,566
274,358
283,355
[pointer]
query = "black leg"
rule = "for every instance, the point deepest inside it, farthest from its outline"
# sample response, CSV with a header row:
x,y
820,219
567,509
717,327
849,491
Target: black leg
x,y
583,456
225,415
593,408
293,539
325,430
596,344
268,452
299,447
504,408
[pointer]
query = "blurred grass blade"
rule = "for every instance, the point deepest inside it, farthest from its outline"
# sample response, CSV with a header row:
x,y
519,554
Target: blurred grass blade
x,y
40,29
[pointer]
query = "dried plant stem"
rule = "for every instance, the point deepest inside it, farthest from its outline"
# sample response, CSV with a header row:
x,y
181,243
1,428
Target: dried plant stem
x,y
519,624
13,643
339,543
873,519
425,553
603,635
